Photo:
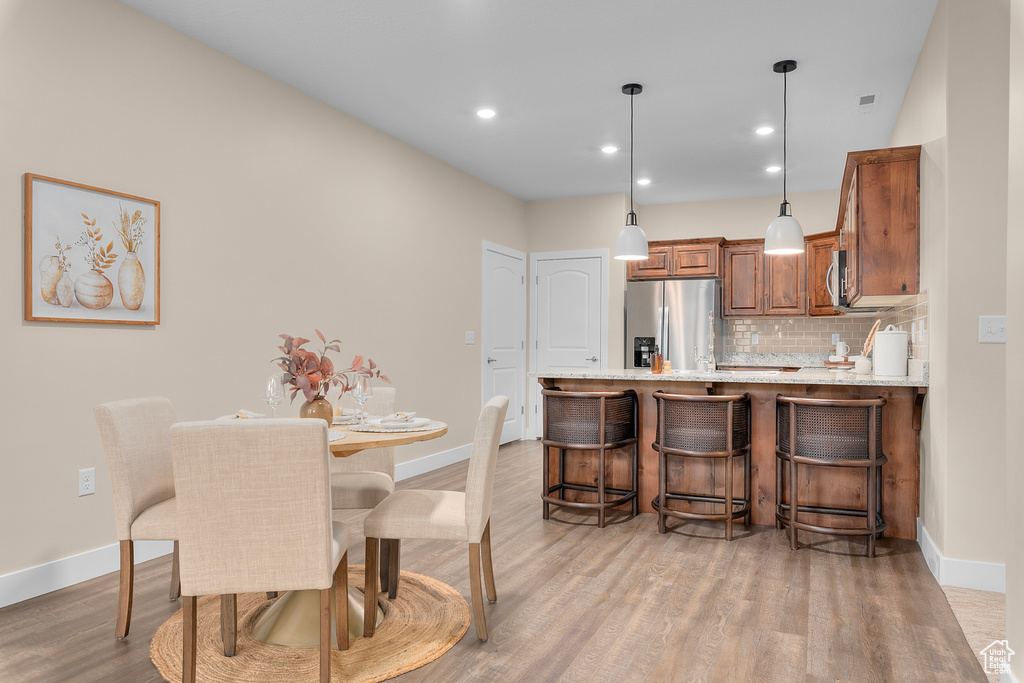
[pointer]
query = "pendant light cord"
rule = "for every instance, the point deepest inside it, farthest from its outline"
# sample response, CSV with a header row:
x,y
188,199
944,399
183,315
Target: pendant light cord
x,y
785,129
631,152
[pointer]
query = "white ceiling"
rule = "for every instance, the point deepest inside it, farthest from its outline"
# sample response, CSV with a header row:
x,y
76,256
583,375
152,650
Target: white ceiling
x,y
553,70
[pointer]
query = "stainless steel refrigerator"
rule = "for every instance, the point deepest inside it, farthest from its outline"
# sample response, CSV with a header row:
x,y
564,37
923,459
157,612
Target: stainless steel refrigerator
x,y
675,315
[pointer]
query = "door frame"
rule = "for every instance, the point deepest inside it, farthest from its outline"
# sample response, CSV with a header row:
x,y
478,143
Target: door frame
x,y
533,393
521,303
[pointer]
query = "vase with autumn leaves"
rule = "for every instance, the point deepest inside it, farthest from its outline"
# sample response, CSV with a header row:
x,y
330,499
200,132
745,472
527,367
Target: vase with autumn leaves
x,y
314,374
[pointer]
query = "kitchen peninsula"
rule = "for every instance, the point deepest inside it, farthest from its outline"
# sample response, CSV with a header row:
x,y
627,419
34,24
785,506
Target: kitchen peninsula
x,y
900,433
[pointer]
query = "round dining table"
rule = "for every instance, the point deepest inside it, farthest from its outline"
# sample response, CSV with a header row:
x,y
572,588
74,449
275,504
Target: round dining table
x,y
293,620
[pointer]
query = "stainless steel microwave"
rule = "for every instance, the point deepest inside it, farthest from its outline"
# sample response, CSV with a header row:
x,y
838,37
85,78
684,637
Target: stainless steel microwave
x,y
835,279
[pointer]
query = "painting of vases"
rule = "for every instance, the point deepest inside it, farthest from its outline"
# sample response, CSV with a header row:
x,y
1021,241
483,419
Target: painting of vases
x,y
114,237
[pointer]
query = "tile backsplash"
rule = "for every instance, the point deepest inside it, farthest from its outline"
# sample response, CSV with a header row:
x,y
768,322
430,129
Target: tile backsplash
x,y
794,335
814,335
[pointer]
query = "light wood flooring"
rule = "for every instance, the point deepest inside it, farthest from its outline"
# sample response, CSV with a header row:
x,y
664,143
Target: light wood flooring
x,y
578,603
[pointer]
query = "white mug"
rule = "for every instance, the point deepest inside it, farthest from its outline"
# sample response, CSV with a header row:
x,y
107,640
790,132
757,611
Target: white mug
x,y
842,349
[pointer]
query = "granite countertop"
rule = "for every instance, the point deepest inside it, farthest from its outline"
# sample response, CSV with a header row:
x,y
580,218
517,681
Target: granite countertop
x,y
918,376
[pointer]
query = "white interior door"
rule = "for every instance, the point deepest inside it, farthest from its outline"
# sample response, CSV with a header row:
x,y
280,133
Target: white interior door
x,y
570,315
503,335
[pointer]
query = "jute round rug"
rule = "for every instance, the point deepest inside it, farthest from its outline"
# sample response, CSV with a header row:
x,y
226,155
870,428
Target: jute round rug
x,y
425,621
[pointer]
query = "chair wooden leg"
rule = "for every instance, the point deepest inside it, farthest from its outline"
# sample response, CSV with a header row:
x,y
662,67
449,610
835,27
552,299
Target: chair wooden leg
x,y
175,576
188,639
478,598
341,602
747,487
600,490
728,497
792,505
545,468
662,488
870,510
229,623
325,635
124,596
485,544
385,564
370,588
394,565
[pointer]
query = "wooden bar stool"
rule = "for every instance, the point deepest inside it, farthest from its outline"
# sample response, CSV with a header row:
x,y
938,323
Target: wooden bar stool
x,y
829,433
710,427
599,421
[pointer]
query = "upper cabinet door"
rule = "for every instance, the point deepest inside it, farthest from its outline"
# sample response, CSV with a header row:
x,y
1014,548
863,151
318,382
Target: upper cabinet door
x,y
819,261
696,260
658,265
743,281
785,284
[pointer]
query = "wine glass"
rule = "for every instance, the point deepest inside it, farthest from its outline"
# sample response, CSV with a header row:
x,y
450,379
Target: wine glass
x,y
361,392
273,392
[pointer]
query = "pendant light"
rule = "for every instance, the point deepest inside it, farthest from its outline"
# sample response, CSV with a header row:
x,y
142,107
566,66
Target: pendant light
x,y
631,244
785,236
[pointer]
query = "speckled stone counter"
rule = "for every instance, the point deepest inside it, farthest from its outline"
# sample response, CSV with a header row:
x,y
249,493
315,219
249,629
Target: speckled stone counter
x,y
901,424
918,376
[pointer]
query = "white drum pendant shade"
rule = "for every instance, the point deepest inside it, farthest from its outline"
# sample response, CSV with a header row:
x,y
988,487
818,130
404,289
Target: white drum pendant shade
x,y
631,244
785,236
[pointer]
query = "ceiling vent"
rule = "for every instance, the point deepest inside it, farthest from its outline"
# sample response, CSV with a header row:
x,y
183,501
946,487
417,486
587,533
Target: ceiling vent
x,y
865,104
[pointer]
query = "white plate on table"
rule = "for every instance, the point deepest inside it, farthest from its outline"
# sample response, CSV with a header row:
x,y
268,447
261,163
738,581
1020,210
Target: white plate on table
x,y
415,422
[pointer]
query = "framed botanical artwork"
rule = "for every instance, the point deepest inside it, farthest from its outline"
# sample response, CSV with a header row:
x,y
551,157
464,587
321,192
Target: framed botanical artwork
x,y
91,255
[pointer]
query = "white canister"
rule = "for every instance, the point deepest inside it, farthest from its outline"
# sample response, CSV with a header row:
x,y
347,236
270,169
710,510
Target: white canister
x,y
890,353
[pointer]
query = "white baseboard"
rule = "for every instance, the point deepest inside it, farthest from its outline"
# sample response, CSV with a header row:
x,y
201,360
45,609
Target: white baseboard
x,y
428,463
948,571
67,571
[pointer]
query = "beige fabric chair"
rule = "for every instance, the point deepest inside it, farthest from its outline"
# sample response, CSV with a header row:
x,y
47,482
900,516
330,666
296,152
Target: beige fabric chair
x,y
136,438
362,480
444,515
254,514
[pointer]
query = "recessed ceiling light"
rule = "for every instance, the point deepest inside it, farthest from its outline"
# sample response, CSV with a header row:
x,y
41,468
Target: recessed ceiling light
x,y
643,181
764,130
485,113
609,149
773,169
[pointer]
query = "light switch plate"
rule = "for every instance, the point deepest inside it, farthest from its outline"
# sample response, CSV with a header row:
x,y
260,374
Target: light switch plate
x,y
992,329
835,338
470,338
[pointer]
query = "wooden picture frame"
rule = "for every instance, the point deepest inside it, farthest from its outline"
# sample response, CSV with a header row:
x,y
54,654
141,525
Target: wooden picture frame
x,y
91,255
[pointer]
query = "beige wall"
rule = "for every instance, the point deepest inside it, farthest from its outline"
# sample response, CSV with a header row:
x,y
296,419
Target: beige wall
x,y
279,214
956,108
1015,344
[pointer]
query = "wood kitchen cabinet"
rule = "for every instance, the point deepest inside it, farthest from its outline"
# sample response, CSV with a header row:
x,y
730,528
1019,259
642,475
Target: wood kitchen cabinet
x,y
880,227
679,259
743,280
756,284
819,261
657,266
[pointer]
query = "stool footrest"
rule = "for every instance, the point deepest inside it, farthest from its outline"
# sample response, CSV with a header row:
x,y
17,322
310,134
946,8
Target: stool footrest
x,y
737,513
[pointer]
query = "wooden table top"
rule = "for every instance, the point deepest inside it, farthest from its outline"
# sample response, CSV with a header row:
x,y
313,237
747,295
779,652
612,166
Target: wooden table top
x,y
359,441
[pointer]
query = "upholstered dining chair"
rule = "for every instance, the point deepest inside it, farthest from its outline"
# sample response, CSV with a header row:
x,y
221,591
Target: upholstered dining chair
x,y
136,439
446,516
362,480
254,514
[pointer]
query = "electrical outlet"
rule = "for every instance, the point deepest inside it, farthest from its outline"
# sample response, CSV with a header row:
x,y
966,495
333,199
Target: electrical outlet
x,y
470,338
992,329
835,338
753,338
87,482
